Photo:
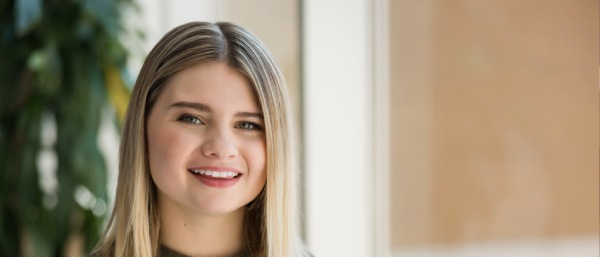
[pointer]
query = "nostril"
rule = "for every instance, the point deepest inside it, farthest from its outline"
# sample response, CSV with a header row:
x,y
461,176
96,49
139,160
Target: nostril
x,y
219,147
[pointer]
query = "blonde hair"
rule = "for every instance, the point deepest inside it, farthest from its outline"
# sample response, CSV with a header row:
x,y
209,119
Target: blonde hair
x,y
270,222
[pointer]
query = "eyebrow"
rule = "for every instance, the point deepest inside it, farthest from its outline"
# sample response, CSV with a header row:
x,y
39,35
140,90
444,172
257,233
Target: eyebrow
x,y
250,115
205,108
197,106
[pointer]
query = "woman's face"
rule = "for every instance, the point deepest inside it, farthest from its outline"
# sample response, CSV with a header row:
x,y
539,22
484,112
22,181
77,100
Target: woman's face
x,y
206,140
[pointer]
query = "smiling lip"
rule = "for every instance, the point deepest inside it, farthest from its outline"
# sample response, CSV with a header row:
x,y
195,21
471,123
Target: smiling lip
x,y
219,177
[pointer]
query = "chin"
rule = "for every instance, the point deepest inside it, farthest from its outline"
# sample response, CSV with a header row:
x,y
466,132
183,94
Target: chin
x,y
218,208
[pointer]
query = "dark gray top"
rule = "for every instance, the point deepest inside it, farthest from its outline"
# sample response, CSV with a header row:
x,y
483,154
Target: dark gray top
x,y
163,251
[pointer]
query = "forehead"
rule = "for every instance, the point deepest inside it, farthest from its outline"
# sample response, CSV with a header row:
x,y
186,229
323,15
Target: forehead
x,y
213,83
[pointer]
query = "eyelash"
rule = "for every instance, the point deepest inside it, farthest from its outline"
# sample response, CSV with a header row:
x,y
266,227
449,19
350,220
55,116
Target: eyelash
x,y
188,119
195,120
254,125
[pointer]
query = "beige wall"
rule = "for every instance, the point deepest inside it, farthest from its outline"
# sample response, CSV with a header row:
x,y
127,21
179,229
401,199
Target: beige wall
x,y
494,120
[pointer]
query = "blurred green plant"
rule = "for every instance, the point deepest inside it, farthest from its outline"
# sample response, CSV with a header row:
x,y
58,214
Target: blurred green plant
x,y
62,62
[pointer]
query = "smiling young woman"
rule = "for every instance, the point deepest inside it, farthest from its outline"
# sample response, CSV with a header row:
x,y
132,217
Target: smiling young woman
x,y
206,160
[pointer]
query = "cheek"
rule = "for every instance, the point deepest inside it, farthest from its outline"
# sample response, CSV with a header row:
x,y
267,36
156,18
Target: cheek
x,y
157,166
156,148
166,158
165,151
257,161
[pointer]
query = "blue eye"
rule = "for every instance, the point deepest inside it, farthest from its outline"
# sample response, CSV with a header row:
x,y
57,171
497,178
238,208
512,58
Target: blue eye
x,y
248,126
189,119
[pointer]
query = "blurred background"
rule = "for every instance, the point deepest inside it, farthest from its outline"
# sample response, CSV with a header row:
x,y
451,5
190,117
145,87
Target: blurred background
x,y
427,128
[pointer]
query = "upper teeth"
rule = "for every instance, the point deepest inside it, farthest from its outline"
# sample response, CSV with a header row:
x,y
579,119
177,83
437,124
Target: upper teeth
x,y
216,174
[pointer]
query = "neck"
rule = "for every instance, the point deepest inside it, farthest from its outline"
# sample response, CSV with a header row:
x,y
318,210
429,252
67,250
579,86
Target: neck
x,y
194,234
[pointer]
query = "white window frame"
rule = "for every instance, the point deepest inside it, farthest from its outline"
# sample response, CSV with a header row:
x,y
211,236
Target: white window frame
x,y
345,109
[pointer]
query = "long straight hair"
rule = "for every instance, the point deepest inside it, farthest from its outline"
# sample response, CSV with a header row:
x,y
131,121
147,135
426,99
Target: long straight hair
x,y
270,226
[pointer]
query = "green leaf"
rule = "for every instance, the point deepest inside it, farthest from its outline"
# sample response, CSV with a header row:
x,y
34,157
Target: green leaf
x,y
37,60
53,58
48,67
28,13
40,245
105,13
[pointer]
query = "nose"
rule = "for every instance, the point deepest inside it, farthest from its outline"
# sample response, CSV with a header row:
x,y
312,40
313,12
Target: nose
x,y
219,145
